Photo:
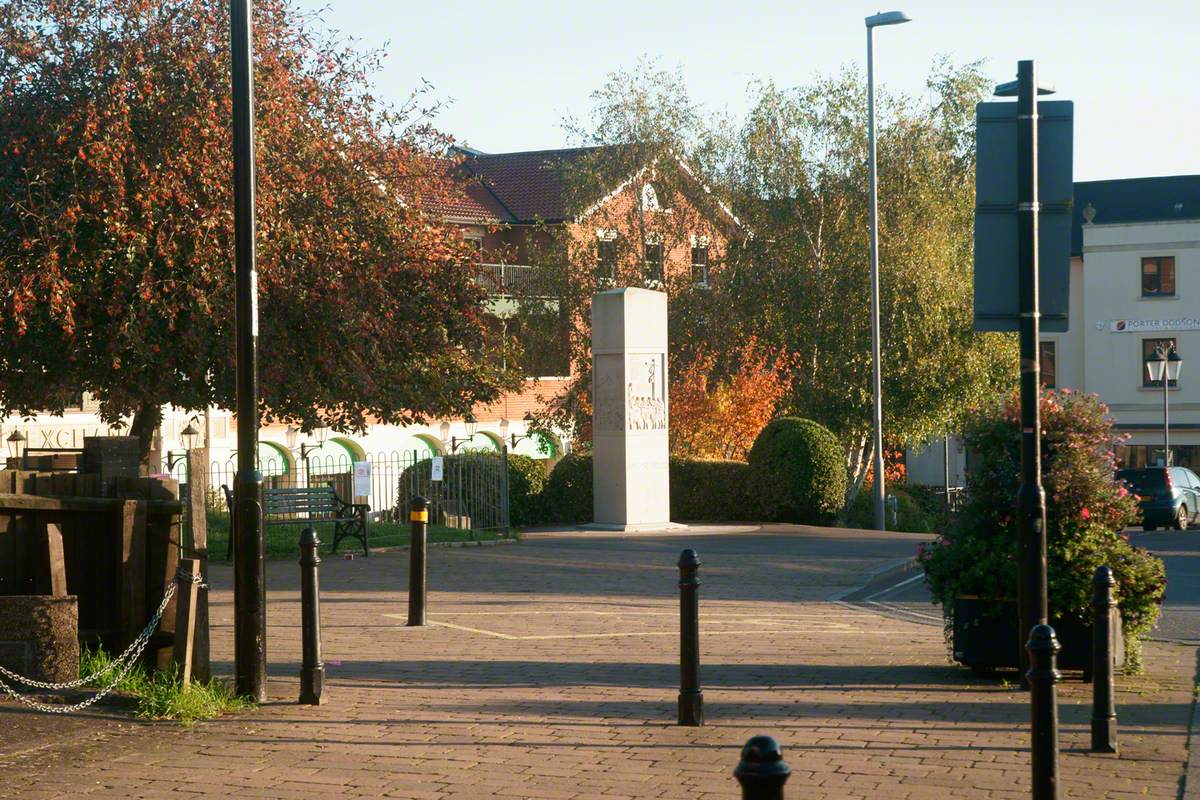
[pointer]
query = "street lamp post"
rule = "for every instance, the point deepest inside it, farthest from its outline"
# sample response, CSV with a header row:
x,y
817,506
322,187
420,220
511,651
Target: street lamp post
x,y
873,22
249,584
1164,367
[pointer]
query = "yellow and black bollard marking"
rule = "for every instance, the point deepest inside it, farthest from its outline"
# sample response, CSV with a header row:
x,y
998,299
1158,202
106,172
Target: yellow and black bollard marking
x,y
418,515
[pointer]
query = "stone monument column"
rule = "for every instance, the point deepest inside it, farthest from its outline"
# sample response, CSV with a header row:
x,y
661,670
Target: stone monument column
x,y
631,482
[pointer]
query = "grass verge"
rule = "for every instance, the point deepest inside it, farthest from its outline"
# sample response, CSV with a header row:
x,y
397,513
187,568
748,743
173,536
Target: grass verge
x,y
161,695
282,541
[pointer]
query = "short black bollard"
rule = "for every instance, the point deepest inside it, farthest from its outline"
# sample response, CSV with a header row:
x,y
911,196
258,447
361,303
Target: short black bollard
x,y
691,699
1043,674
762,771
1104,712
418,515
312,669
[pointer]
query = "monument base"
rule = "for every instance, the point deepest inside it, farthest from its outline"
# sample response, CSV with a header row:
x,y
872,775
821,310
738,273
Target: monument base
x,y
640,527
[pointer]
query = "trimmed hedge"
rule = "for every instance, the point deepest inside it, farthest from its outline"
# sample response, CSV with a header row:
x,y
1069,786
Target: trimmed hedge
x,y
911,517
799,470
712,491
526,481
567,497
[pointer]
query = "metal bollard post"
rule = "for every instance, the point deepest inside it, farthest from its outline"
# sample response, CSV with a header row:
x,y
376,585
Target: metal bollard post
x,y
762,771
312,669
1043,649
1104,712
418,515
691,699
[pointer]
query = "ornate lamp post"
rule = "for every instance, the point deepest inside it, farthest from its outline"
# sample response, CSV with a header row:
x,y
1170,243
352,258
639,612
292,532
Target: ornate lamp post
x,y
453,442
16,443
187,437
320,433
1164,367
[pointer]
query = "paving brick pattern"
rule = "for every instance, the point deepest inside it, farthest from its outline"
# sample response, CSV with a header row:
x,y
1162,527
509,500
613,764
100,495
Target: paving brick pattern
x,y
551,672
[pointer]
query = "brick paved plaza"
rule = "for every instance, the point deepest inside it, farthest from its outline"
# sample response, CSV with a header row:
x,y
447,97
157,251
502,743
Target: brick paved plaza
x,y
550,671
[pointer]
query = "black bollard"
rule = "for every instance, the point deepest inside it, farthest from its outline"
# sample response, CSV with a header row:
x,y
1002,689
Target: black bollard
x,y
1043,675
312,669
418,515
1104,712
691,699
762,771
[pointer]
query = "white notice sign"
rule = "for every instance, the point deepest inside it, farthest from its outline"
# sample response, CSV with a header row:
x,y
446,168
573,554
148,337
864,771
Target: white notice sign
x,y
362,478
435,471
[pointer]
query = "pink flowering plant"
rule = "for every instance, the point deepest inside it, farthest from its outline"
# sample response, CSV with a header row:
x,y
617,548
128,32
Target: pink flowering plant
x,y
1086,510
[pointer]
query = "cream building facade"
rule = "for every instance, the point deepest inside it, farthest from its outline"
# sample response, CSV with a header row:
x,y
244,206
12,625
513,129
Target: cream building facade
x,y
1135,285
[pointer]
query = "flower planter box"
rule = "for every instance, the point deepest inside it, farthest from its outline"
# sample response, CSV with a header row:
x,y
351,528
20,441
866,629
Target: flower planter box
x,y
985,640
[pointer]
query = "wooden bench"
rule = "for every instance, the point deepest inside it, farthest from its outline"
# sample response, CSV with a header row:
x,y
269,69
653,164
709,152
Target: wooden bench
x,y
312,505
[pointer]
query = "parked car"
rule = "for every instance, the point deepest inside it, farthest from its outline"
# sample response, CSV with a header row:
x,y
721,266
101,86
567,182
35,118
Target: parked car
x,y
1167,496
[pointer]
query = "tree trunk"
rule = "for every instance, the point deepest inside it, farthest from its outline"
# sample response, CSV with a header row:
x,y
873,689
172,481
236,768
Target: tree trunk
x,y
861,454
145,422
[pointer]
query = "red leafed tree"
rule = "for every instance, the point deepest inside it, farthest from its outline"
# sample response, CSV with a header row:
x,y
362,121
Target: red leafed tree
x,y
116,229
719,416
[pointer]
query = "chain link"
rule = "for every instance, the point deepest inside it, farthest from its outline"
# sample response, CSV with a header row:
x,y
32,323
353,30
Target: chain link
x,y
122,664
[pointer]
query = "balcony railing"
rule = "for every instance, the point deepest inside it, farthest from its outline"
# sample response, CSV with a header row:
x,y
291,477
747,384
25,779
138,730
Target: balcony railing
x,y
516,279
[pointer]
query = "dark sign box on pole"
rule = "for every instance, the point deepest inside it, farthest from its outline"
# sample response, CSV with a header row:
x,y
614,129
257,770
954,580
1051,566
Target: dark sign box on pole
x,y
996,262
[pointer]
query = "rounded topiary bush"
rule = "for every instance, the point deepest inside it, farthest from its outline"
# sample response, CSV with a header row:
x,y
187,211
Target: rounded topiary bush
x,y
567,497
799,469
526,481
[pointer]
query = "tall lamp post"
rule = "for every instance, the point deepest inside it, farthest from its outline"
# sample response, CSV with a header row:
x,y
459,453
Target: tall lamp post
x,y
873,22
249,583
1163,367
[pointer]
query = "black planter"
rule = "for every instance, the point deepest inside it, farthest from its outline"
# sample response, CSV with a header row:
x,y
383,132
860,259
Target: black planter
x,y
986,637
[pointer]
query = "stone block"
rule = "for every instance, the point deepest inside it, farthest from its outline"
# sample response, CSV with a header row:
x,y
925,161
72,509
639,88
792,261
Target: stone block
x,y
39,636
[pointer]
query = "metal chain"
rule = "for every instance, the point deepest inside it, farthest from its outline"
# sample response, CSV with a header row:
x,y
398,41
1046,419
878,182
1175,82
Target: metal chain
x,y
123,663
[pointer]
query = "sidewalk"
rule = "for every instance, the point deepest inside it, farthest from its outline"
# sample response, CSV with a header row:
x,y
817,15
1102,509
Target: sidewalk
x,y
550,671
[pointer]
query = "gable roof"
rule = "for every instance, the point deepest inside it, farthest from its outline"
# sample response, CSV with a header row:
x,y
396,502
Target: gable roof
x,y
1158,199
529,186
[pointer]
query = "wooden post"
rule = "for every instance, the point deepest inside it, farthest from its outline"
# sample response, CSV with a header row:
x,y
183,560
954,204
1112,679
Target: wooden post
x,y
133,559
185,616
54,564
197,509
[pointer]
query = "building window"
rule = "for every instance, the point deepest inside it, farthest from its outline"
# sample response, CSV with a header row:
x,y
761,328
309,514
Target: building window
x,y
606,258
649,198
654,261
1046,356
700,262
1158,276
1148,348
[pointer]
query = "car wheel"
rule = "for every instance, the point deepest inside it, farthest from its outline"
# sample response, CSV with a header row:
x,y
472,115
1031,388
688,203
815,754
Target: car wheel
x,y
1181,518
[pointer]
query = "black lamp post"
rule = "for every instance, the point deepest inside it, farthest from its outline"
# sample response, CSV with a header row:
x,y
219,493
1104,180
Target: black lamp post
x,y
16,443
512,438
453,441
1163,367
320,433
249,579
188,437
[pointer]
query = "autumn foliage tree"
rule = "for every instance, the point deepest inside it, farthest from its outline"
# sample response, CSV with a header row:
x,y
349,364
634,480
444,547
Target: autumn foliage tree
x,y
116,229
715,415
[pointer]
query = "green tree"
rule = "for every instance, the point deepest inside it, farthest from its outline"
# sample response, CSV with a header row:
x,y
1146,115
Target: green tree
x,y
799,172
116,231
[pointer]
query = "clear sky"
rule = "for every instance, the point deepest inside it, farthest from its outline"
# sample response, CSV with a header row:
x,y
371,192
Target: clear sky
x,y
514,70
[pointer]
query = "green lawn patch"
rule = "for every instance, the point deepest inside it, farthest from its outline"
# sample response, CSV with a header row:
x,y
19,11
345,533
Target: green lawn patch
x,y
282,541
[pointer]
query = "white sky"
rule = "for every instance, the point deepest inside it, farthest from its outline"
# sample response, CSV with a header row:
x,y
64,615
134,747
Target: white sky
x,y
514,70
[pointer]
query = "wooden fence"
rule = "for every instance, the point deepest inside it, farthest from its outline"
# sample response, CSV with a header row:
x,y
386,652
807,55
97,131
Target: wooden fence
x,y
117,553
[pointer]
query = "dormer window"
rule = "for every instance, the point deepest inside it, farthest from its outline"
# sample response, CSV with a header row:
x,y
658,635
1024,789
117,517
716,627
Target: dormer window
x,y
649,198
